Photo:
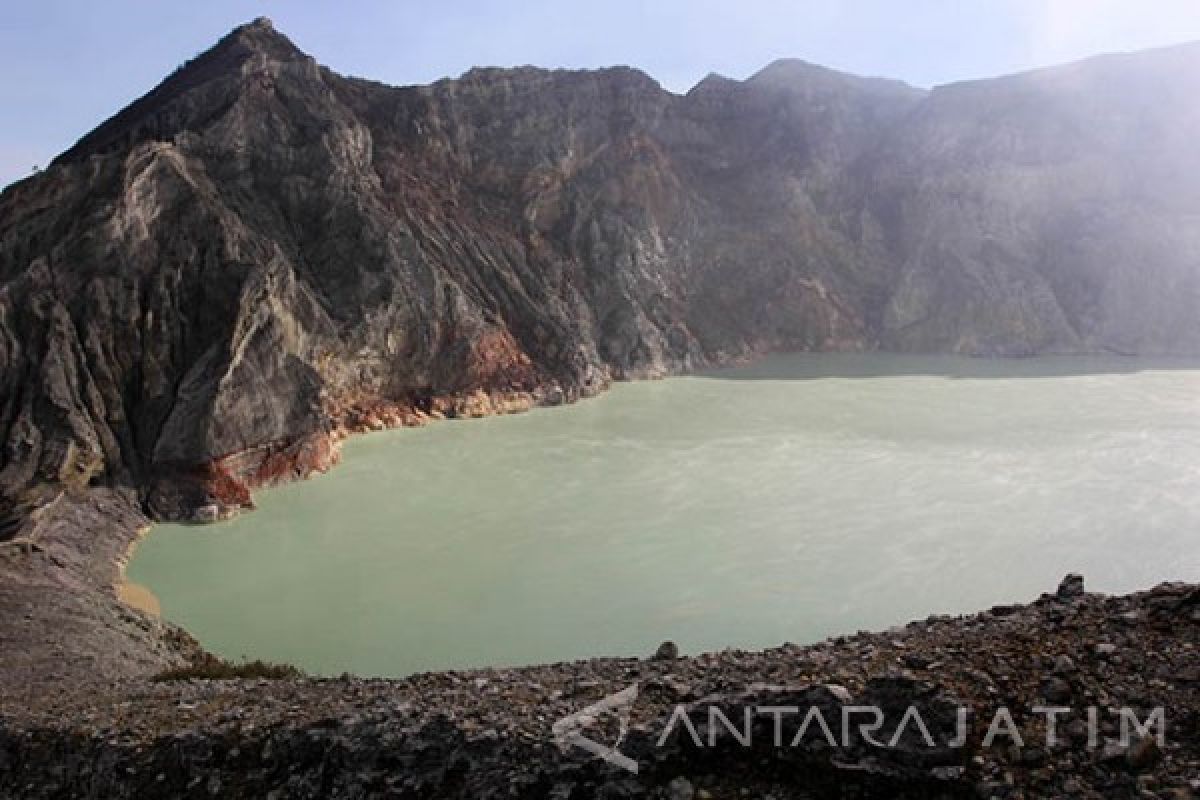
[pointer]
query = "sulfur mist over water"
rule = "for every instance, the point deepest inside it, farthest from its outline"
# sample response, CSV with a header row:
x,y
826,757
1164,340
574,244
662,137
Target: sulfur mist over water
x,y
790,500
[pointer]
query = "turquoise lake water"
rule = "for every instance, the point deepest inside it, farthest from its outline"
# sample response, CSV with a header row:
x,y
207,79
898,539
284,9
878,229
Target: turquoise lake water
x,y
800,497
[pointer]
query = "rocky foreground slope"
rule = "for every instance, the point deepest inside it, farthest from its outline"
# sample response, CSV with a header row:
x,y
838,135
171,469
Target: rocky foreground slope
x,y
76,721
202,292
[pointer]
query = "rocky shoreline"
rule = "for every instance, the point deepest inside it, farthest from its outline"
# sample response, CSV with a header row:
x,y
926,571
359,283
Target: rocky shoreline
x,y
222,488
80,716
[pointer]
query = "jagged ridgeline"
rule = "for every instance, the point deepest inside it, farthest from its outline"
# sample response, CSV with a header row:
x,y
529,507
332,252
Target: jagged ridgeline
x,y
201,292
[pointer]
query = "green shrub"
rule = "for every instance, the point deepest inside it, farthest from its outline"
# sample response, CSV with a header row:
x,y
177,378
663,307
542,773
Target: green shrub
x,y
212,668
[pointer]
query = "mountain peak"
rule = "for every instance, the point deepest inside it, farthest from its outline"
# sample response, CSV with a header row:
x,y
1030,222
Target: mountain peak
x,y
785,71
260,35
796,74
713,81
257,40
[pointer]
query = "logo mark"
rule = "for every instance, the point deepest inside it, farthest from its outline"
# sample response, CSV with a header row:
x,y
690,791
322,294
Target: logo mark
x,y
568,731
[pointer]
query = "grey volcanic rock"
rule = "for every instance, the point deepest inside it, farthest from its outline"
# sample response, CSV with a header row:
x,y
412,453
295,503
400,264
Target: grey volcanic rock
x,y
200,294
1050,211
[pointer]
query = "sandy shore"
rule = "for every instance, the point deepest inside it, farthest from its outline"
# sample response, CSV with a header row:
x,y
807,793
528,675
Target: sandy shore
x,y
135,595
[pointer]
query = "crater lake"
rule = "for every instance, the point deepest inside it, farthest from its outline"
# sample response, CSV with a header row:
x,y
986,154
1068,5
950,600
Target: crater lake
x,y
786,501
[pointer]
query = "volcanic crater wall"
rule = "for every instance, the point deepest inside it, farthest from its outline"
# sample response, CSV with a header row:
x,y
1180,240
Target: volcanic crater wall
x,y
208,289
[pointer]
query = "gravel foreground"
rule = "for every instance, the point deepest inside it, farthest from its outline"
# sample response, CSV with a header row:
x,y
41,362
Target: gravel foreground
x,y
80,717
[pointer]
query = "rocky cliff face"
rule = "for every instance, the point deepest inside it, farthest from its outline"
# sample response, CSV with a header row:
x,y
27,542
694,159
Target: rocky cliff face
x,y
1055,210
197,296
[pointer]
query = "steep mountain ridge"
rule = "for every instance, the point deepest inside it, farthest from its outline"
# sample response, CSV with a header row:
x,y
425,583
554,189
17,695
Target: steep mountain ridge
x,y
202,293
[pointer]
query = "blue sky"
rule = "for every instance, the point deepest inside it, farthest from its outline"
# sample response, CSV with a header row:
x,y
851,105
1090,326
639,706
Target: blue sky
x,y
67,65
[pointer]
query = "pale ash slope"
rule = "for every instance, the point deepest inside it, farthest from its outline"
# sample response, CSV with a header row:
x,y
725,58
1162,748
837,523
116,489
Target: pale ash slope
x,y
1059,209
207,285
